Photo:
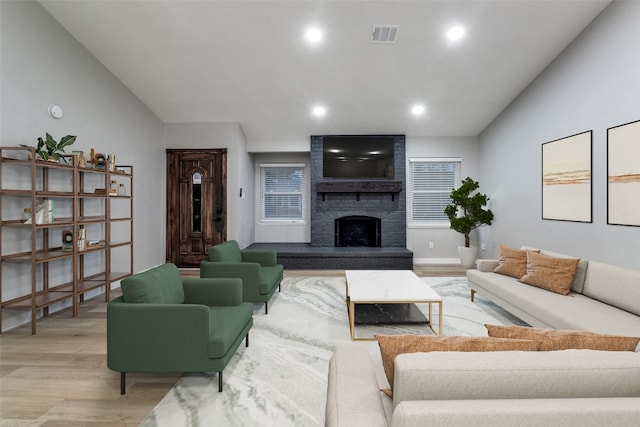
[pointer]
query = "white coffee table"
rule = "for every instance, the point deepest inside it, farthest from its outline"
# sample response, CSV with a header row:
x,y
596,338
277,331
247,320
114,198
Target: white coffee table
x,y
389,287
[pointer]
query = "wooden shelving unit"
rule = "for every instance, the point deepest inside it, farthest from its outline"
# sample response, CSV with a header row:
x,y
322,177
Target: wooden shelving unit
x,y
37,270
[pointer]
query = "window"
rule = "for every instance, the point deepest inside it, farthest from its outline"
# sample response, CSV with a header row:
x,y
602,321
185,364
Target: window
x,y
283,196
430,183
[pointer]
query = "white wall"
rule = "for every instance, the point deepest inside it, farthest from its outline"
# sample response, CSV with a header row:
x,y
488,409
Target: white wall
x,y
281,232
593,85
445,241
240,173
43,64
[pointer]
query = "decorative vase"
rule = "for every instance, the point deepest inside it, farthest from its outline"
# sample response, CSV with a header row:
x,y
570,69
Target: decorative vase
x,y
467,256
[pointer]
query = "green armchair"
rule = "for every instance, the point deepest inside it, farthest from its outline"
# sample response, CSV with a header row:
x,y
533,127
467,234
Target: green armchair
x,y
258,269
165,323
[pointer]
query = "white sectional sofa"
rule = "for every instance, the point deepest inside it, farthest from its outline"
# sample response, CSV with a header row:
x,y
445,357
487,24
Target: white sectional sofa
x,y
604,298
582,388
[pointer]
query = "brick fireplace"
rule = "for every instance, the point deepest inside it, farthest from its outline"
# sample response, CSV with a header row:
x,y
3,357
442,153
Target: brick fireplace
x,y
335,198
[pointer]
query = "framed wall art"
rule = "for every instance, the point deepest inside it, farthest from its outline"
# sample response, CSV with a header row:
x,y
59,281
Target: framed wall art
x,y
566,178
623,174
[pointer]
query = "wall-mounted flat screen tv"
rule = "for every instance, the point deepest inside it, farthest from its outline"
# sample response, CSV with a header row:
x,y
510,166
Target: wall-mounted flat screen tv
x,y
355,156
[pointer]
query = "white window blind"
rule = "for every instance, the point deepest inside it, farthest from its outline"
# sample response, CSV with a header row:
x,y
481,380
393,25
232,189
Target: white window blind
x,y
283,189
430,183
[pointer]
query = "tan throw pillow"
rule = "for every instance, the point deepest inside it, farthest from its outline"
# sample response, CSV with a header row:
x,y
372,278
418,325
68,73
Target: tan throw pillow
x,y
550,273
512,262
558,339
392,345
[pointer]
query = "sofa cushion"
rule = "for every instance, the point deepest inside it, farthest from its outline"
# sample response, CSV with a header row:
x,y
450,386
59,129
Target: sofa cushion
x,y
516,375
225,252
614,285
158,285
393,345
225,325
557,339
512,262
578,280
550,273
270,277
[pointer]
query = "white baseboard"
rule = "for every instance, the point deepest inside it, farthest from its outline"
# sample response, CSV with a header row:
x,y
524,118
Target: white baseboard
x,y
444,261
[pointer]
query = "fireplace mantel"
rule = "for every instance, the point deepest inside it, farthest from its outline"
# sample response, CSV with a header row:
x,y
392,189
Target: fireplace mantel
x,y
357,187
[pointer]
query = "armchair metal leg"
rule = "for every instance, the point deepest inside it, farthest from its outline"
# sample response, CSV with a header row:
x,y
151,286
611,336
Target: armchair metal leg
x,y
220,381
266,308
246,340
123,381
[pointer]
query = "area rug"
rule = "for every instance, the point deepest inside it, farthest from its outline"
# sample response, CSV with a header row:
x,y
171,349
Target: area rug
x,y
281,378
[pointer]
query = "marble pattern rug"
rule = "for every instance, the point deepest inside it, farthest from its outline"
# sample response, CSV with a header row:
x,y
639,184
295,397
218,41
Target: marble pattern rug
x,y
281,378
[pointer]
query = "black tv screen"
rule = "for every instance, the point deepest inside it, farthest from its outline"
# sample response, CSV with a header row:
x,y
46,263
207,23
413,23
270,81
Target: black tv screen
x,y
357,157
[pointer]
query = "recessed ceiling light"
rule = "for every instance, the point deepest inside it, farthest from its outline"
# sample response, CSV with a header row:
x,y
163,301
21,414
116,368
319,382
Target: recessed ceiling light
x,y
319,111
314,35
455,33
417,110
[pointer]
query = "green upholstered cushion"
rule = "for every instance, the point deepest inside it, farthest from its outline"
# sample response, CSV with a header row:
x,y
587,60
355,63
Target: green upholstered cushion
x,y
225,252
270,277
158,285
225,324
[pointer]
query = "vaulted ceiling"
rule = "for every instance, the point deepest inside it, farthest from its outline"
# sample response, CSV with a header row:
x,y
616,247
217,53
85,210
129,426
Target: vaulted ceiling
x,y
249,61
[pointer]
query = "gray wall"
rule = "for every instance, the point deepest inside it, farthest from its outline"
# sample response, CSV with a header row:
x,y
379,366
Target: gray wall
x,y
43,64
240,172
593,85
280,231
445,241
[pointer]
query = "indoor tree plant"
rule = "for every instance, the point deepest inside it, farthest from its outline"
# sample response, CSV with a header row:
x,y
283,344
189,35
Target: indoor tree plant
x,y
48,148
466,212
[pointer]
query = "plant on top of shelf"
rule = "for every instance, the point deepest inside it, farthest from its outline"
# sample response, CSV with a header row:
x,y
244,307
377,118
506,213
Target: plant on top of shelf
x,y
50,149
466,211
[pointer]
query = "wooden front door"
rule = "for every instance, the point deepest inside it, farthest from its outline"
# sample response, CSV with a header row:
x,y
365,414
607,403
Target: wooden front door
x,y
196,204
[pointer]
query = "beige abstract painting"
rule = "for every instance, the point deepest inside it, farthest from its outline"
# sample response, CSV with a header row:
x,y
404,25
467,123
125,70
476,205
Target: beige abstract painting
x,y
566,178
623,174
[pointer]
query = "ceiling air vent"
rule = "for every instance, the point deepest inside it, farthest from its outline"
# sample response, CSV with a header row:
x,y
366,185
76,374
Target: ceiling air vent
x,y
384,33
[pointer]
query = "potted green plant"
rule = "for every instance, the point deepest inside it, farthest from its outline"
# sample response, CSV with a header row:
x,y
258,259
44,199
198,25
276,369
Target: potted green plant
x,y
50,149
466,212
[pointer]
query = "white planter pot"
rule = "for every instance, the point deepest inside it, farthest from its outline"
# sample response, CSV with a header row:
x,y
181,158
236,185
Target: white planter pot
x,y
467,255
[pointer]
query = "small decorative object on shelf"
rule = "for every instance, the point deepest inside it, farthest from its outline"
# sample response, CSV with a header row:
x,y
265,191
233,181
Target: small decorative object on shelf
x,y
44,213
112,161
67,240
100,161
49,149
82,238
122,190
82,162
113,188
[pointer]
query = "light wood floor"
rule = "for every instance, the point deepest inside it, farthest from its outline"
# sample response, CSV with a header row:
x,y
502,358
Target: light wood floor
x,y
59,377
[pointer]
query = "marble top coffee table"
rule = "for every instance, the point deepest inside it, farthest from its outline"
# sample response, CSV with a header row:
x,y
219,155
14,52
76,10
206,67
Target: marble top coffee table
x,y
389,287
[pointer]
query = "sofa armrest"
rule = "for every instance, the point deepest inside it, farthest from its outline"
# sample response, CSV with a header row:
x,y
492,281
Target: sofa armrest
x,y
155,337
263,257
353,393
486,265
213,292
